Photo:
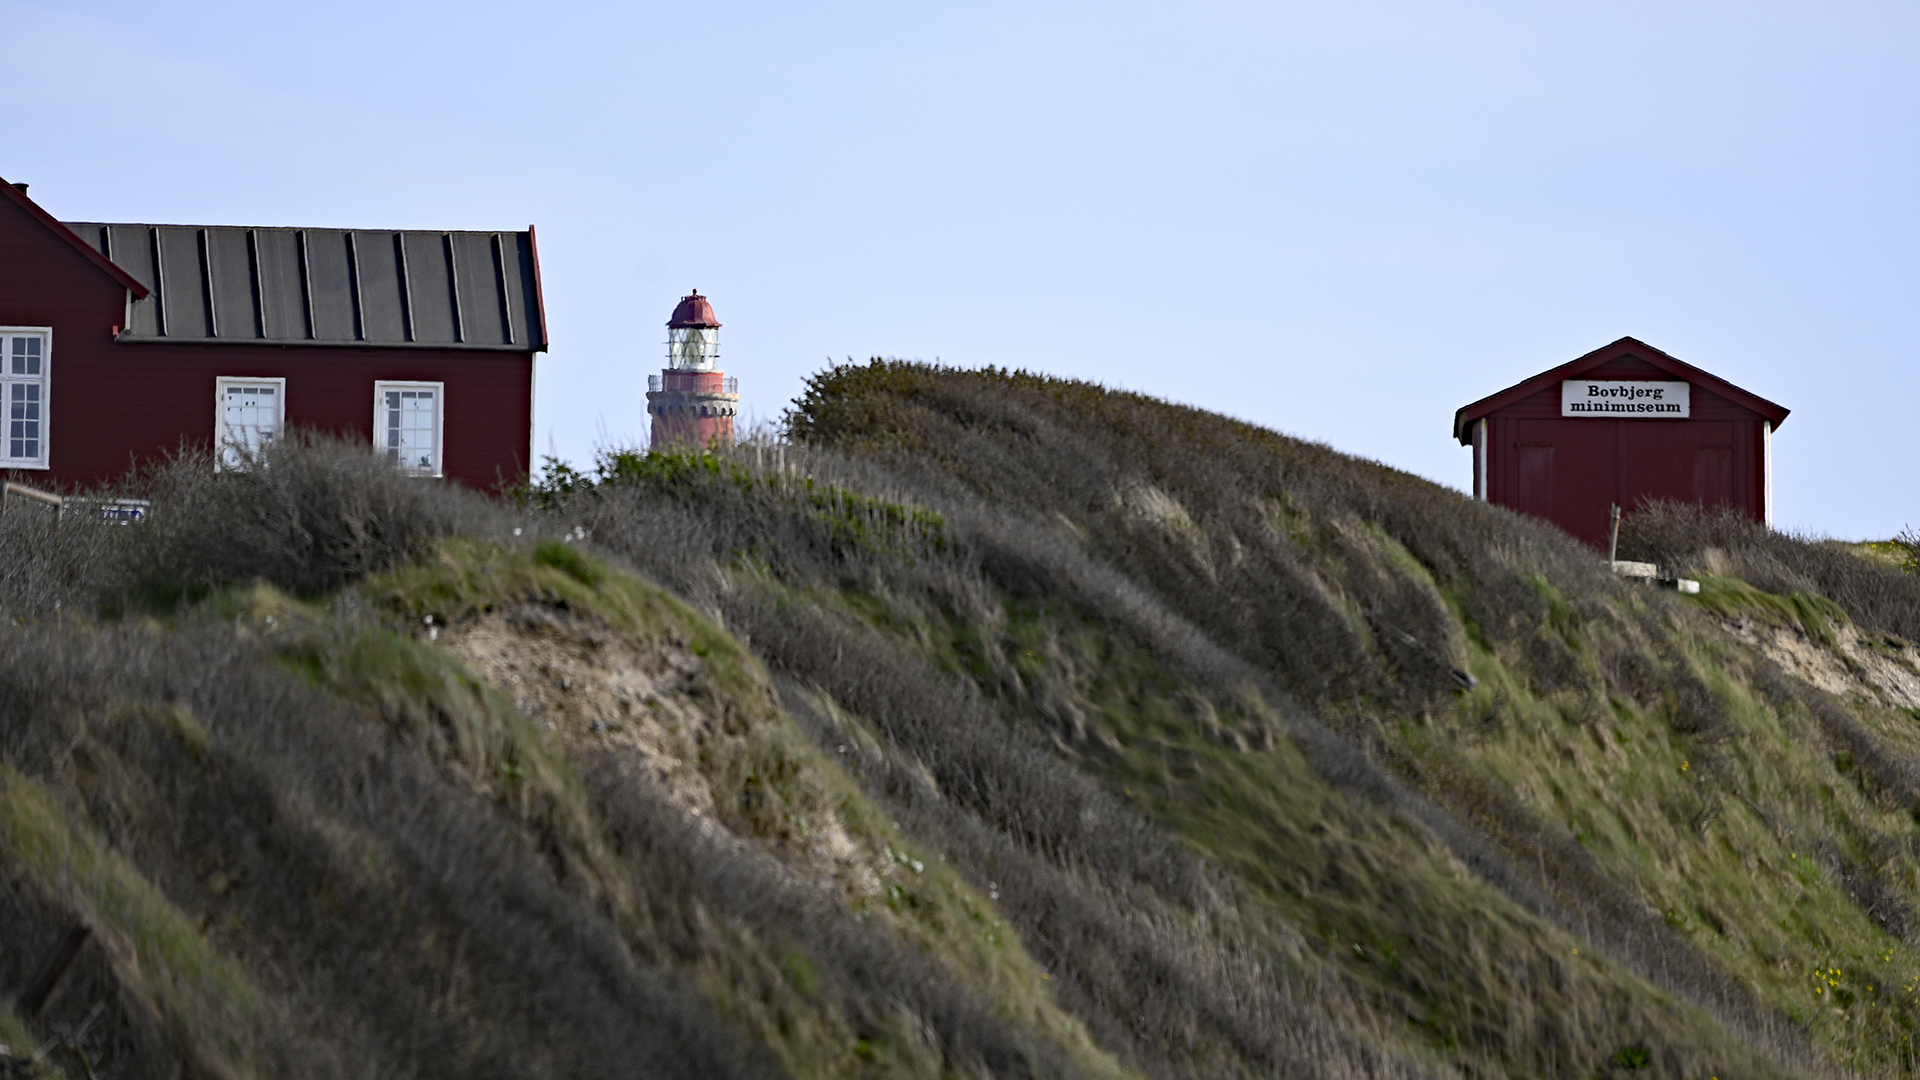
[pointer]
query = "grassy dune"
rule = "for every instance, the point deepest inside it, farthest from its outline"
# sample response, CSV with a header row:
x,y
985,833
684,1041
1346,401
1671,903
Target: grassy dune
x,y
985,724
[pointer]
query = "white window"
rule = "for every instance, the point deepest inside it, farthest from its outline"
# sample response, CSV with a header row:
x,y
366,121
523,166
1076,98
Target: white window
x,y
408,424
26,354
250,414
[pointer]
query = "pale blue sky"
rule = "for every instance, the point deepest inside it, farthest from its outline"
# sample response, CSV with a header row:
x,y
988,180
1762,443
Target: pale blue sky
x,y
1341,221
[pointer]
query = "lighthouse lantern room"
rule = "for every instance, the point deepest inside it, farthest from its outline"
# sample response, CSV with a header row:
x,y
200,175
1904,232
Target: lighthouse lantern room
x,y
692,402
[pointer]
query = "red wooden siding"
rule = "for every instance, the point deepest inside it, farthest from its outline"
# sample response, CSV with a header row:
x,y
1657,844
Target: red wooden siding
x,y
151,396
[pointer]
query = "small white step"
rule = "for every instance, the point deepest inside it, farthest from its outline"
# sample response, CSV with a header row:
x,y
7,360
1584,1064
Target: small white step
x,y
1646,571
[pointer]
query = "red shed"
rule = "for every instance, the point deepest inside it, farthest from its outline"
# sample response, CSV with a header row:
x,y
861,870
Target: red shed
x,y
1619,426
120,342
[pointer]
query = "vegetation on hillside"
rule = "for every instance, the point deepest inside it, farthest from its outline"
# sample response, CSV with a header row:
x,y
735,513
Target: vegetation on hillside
x,y
983,724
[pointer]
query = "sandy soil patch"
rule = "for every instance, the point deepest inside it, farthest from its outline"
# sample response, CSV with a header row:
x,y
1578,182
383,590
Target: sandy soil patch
x,y
592,689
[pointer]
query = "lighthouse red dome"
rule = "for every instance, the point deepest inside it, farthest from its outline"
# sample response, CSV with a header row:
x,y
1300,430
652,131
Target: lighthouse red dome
x,y
693,311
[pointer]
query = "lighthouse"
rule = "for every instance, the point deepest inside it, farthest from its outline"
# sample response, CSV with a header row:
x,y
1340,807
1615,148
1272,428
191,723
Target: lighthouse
x,y
692,401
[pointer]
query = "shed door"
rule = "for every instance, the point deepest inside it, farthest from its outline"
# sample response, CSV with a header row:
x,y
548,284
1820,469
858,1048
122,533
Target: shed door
x,y
1533,478
1690,461
1713,476
1563,471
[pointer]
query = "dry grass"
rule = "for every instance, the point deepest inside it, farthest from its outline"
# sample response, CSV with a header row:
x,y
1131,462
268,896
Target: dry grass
x,y
1144,736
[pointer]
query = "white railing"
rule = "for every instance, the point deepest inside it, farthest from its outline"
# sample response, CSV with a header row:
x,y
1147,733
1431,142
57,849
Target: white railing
x,y
14,493
689,382
101,507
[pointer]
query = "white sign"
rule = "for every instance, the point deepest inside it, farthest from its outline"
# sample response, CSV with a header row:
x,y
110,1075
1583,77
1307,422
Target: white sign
x,y
1626,398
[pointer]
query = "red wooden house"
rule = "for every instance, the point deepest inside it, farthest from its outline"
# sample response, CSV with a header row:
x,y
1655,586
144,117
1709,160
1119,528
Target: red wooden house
x,y
1619,426
120,342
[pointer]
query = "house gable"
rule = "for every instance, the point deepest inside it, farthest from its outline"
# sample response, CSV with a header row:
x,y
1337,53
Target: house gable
x,y
29,236
1627,358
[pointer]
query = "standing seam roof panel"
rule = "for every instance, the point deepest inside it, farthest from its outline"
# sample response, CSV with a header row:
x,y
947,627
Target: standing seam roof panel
x,y
330,286
230,280
517,276
478,281
283,304
182,285
430,294
131,249
376,266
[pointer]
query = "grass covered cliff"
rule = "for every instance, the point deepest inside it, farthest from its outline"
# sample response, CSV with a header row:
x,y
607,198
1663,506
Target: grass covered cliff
x,y
989,724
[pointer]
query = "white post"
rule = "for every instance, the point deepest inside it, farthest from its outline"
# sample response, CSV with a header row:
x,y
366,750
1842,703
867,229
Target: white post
x,y
1766,472
1480,458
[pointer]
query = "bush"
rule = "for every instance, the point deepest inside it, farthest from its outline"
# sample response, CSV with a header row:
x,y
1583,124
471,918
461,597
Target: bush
x,y
55,562
310,515
1688,540
313,513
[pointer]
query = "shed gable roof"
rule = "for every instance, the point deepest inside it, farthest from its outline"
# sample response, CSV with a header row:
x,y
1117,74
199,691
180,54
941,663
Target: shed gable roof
x,y
1463,420
287,286
19,198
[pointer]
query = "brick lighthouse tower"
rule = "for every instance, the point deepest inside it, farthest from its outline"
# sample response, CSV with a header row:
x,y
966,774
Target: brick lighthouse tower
x,y
691,401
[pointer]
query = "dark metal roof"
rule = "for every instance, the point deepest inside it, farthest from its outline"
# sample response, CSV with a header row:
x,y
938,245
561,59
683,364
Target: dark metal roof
x,y
693,311
442,290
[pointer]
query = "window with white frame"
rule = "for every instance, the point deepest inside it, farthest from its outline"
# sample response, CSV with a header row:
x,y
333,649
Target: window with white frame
x,y
408,424
26,354
250,414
